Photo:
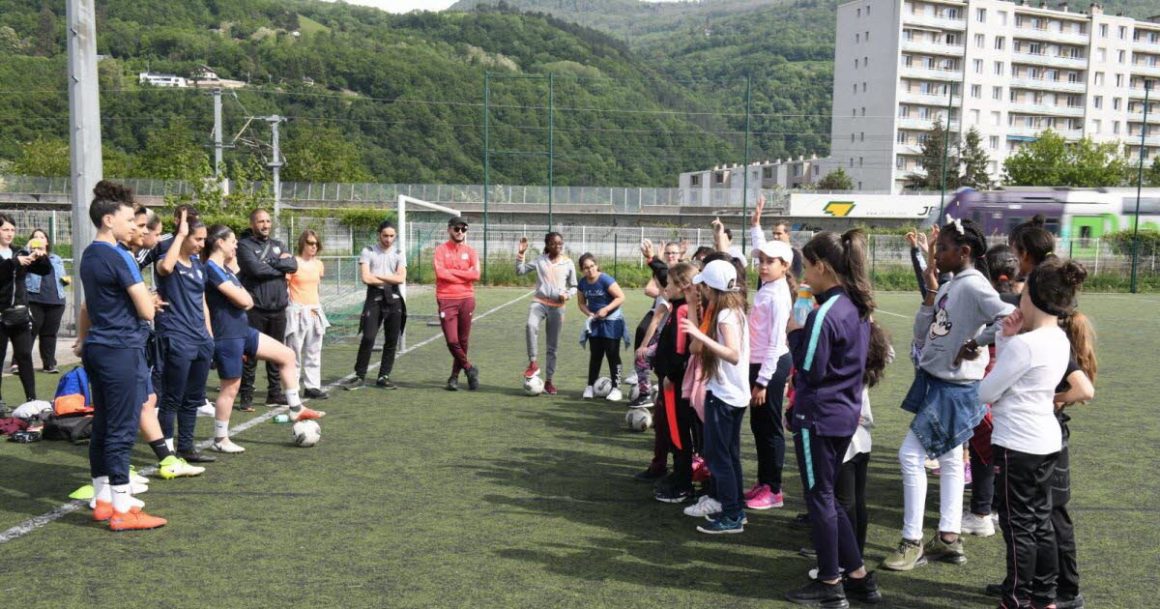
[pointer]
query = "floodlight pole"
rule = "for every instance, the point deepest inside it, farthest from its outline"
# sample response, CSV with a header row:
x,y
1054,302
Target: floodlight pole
x,y
942,200
84,106
1139,186
551,142
486,161
745,179
276,163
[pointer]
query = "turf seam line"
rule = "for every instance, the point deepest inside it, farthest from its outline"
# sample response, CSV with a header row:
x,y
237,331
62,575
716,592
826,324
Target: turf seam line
x,y
36,522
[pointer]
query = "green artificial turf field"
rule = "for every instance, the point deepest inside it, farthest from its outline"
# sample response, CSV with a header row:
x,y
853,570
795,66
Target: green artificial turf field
x,y
423,498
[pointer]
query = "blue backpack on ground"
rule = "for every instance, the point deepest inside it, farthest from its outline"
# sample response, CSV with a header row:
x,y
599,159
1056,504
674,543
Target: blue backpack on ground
x,y
72,394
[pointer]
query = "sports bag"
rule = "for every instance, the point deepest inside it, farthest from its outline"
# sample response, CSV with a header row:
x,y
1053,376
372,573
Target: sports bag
x,y
72,394
75,429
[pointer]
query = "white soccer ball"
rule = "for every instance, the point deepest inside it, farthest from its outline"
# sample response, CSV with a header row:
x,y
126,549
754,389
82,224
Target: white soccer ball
x,y
638,419
533,385
633,392
306,433
631,379
602,387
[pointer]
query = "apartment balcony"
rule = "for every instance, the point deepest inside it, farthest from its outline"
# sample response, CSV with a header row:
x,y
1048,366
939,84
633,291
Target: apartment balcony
x,y
1137,116
1052,35
1034,132
1055,61
930,74
933,48
1138,93
1043,84
1025,107
1134,140
923,99
908,148
1146,70
920,124
934,22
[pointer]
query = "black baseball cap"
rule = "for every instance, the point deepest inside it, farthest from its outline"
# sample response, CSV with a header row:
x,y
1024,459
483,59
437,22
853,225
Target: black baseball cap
x,y
456,221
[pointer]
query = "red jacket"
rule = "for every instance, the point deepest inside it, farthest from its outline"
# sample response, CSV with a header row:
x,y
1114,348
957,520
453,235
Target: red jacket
x,y
456,269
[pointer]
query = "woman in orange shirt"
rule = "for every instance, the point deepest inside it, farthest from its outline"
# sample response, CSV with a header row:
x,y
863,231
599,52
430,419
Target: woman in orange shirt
x,y
305,321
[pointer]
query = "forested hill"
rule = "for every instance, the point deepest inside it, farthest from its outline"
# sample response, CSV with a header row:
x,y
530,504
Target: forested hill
x,y
372,96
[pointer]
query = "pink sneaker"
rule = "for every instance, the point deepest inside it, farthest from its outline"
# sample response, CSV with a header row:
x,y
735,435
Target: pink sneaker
x,y
765,499
754,490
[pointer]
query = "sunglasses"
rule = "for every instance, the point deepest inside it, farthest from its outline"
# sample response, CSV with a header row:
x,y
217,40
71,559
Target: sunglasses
x,y
459,229
311,243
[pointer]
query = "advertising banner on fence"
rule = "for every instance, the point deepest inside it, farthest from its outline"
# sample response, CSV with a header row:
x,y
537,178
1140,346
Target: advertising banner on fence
x,y
811,205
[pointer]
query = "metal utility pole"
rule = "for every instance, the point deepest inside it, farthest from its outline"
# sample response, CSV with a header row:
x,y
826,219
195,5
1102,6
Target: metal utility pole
x,y
1139,185
745,180
276,163
84,107
217,133
551,142
942,202
486,161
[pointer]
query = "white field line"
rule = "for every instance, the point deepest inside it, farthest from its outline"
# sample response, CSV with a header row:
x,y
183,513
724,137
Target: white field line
x,y
36,522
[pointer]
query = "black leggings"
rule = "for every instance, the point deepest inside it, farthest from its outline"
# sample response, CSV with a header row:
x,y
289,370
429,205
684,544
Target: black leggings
x,y
21,338
45,326
850,492
602,348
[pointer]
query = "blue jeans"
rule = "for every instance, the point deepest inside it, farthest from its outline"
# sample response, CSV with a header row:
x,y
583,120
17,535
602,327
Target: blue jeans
x,y
183,388
722,452
118,387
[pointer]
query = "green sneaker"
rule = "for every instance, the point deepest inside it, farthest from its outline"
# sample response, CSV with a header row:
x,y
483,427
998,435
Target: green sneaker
x,y
937,549
175,467
908,556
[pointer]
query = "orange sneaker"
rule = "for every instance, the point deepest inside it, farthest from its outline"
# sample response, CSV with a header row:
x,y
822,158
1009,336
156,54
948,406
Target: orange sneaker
x,y
103,511
135,521
306,414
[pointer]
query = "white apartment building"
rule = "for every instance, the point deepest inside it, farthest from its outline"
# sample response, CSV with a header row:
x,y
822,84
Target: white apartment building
x,y
1010,70
724,184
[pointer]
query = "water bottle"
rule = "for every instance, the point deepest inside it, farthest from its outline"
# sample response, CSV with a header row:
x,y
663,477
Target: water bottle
x,y
282,418
803,305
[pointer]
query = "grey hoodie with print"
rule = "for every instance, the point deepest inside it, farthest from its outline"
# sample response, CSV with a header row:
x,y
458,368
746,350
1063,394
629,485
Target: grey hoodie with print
x,y
965,307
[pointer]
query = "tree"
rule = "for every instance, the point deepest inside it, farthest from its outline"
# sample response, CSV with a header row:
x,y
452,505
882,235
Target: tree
x,y
835,180
322,154
935,148
1152,176
975,161
1052,161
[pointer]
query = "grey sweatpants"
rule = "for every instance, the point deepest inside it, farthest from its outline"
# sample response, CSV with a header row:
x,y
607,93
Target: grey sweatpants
x,y
537,312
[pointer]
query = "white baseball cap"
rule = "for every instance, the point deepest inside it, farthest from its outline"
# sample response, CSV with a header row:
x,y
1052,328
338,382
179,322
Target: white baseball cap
x,y
719,275
776,249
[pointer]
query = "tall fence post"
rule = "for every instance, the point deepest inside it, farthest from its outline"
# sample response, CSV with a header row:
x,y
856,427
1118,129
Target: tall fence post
x,y
615,253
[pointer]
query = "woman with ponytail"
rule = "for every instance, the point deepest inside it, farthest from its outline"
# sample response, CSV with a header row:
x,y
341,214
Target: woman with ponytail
x,y
1032,353
955,319
833,358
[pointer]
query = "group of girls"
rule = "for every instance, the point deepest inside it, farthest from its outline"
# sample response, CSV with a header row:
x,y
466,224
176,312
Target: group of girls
x,y
23,272
198,316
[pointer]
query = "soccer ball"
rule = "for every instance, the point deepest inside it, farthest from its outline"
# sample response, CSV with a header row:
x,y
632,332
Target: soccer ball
x,y
638,419
631,379
533,385
633,392
306,433
602,387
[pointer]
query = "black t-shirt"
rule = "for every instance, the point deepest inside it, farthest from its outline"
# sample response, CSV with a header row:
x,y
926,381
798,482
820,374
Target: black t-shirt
x,y
1063,385
672,344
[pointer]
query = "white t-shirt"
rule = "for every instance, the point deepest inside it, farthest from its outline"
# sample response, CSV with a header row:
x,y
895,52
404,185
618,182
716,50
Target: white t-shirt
x,y
861,442
731,383
1021,390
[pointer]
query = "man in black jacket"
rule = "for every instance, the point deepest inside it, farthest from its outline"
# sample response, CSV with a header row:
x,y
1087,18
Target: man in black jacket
x,y
264,264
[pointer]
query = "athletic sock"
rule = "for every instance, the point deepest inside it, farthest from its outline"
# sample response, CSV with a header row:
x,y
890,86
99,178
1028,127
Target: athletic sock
x,y
221,429
293,399
122,498
101,490
161,449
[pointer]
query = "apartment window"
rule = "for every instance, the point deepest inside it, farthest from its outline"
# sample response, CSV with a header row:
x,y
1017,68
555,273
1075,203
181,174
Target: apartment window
x,y
863,110
859,161
859,184
1098,102
997,93
1119,80
1000,42
998,68
901,139
862,136
1116,128
1102,55
1003,18
1115,103
978,66
855,87
695,180
1013,96
1073,77
1037,97
899,162
859,12
867,10
865,62
767,172
1036,73
977,91
981,15
863,87
851,161
867,36
857,38
903,111
1103,30
1099,79
974,117
996,116
853,112
1123,33
980,41
1096,125
994,142
851,138
1122,58
855,63
907,60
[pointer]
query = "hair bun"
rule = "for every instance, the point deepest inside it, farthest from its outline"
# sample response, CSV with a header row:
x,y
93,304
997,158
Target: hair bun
x,y
1073,273
112,191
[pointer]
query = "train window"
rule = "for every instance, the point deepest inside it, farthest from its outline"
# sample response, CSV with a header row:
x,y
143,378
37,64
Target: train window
x,y
1085,232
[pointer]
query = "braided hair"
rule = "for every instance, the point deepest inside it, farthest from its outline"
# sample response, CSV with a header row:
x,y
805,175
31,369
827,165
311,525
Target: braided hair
x,y
965,232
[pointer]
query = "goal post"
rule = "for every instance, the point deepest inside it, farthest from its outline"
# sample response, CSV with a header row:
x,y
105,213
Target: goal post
x,y
401,213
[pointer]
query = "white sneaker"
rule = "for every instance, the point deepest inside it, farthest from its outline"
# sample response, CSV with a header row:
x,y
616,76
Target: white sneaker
x,y
227,446
206,410
588,393
995,518
980,526
704,507
176,467
615,395
136,478
137,488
